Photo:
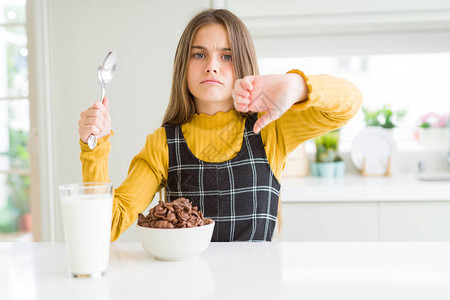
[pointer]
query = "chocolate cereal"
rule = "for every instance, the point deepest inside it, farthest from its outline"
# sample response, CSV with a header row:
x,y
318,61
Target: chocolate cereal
x,y
176,214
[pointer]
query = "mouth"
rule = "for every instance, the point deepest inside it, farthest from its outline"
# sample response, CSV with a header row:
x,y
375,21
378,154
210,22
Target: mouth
x,y
211,81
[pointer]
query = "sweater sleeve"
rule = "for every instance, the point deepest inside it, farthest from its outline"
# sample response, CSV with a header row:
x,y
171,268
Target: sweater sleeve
x,y
331,103
147,174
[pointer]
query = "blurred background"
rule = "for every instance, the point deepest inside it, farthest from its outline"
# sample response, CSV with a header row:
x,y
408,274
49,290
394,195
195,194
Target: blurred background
x,y
385,176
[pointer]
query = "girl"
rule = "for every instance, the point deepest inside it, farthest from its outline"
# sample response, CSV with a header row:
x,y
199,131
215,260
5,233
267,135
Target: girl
x,y
225,134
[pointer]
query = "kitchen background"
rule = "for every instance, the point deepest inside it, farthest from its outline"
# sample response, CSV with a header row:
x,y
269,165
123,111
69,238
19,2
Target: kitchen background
x,y
334,188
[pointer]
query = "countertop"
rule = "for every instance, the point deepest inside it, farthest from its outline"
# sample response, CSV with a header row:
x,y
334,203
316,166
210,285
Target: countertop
x,y
266,270
356,188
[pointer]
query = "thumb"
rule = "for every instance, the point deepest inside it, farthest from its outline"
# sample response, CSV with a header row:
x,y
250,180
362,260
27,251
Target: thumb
x,y
106,103
262,122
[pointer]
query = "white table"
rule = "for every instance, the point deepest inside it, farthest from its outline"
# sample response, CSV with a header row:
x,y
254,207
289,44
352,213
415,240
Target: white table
x,y
236,271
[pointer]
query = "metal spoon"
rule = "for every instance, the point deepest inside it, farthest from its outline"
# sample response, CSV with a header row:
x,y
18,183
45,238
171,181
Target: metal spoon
x,y
105,73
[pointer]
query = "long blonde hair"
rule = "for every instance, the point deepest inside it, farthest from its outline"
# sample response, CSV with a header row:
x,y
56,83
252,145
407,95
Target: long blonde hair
x,y
181,103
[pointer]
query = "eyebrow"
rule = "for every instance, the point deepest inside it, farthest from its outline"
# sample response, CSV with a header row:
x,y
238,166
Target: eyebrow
x,y
204,48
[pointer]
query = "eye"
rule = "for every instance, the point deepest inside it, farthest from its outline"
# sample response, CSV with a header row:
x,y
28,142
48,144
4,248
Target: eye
x,y
199,55
227,57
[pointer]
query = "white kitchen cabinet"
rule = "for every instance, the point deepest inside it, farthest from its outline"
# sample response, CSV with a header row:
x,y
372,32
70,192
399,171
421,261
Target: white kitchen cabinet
x,y
329,222
366,221
359,209
414,221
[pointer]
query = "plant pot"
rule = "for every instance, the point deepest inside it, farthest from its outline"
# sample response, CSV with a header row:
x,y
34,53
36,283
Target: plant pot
x,y
327,169
332,169
315,169
339,168
26,222
433,139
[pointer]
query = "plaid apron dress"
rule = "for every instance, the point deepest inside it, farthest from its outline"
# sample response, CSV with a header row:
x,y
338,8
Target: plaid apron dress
x,y
240,195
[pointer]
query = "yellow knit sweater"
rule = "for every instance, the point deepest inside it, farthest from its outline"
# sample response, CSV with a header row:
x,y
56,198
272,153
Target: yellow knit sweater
x,y
331,103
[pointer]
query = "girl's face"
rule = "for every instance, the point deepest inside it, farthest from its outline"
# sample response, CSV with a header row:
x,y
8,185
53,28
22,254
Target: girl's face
x,y
210,73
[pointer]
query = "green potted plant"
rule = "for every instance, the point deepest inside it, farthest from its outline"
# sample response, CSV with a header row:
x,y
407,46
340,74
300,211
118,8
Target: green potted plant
x,y
328,163
384,117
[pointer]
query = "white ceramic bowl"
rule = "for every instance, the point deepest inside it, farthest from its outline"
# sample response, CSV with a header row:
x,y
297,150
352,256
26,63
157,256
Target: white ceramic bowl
x,y
176,243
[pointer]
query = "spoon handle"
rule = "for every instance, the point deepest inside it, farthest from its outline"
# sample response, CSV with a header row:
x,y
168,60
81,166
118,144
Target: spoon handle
x,y
103,93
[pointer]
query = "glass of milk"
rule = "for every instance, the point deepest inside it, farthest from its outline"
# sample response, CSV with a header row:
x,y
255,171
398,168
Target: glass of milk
x,y
86,211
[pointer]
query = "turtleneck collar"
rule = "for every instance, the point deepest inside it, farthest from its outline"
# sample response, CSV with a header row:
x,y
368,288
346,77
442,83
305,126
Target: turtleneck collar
x,y
218,120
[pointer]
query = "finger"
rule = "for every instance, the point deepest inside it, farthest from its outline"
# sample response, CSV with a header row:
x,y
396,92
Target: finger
x,y
96,113
83,135
92,119
241,107
247,83
241,100
106,103
92,129
239,88
263,121
236,86
243,93
100,106
95,122
237,98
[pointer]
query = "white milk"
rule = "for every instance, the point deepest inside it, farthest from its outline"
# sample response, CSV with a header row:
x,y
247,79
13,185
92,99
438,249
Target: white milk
x,y
87,229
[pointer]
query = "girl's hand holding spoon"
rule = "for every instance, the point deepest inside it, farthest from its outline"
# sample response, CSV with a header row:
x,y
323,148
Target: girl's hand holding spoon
x,y
95,120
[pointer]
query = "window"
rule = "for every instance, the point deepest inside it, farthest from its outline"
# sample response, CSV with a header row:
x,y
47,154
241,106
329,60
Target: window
x,y
15,217
416,83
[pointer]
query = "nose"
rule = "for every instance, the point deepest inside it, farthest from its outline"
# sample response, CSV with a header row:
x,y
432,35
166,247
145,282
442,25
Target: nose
x,y
212,66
